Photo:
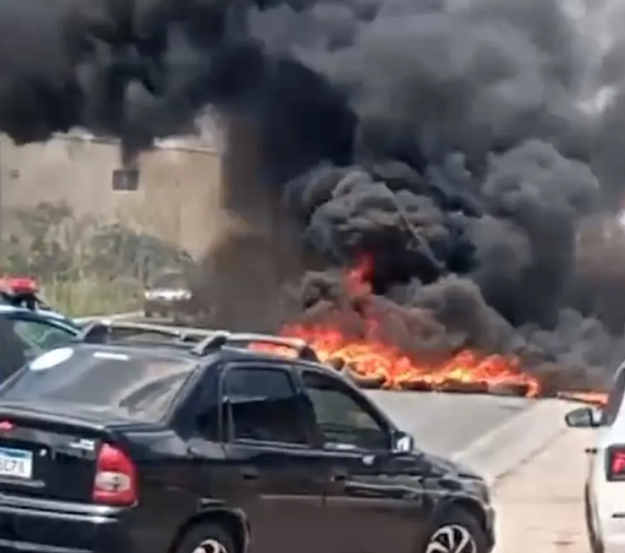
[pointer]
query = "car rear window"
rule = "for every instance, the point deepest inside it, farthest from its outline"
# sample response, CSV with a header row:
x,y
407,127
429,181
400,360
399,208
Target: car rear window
x,y
173,280
132,386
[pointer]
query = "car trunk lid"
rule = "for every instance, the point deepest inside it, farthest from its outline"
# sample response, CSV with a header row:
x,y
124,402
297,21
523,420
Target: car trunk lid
x,y
45,453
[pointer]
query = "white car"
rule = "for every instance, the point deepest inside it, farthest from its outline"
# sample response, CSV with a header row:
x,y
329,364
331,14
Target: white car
x,y
604,492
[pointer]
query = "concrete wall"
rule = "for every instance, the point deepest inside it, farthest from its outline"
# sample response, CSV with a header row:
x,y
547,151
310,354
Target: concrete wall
x,y
179,189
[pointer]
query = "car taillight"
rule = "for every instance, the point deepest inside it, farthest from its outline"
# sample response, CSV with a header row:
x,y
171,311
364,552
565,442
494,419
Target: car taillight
x,y
115,481
615,463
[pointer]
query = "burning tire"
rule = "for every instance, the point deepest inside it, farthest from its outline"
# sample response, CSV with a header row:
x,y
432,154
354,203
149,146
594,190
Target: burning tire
x,y
518,389
365,382
336,363
461,387
416,386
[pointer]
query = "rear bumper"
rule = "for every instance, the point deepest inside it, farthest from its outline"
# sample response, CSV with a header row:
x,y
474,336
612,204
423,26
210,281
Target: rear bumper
x,y
612,534
615,546
26,528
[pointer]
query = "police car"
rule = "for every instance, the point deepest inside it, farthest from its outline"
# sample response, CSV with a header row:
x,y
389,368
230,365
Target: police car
x,y
28,327
24,292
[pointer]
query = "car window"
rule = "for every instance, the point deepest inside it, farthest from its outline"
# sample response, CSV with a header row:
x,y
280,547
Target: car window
x,y
172,280
133,386
14,349
41,336
615,399
263,406
22,340
344,421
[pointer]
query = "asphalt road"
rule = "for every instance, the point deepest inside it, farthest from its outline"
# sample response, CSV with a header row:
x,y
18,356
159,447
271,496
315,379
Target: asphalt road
x,y
448,423
444,423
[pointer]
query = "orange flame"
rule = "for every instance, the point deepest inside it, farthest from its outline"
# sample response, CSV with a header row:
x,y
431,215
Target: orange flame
x,y
373,363
370,361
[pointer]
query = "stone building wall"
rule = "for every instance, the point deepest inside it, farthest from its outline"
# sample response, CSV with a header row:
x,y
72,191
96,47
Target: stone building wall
x,y
178,195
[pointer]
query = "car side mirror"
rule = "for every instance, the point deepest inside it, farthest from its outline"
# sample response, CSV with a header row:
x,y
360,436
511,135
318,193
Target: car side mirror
x,y
583,417
402,443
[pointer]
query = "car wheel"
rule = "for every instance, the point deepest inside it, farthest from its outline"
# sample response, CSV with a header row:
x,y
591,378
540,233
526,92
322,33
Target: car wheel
x,y
457,531
147,314
206,538
595,543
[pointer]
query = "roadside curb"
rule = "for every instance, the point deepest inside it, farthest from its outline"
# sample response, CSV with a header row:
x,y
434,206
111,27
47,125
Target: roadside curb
x,y
509,445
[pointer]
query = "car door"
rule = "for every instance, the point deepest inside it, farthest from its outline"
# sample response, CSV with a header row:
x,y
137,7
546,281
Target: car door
x,y
373,502
270,462
607,435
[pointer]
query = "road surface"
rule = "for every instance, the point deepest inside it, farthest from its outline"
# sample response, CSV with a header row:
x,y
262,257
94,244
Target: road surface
x,y
448,423
540,505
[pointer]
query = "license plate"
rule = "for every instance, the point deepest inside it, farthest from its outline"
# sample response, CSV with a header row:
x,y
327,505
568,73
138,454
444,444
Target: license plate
x,y
16,463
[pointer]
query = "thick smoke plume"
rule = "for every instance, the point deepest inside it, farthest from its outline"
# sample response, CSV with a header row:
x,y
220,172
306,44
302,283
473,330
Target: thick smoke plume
x,y
472,148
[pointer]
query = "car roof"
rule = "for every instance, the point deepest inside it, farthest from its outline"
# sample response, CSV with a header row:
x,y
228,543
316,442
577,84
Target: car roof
x,y
6,308
180,352
231,353
137,351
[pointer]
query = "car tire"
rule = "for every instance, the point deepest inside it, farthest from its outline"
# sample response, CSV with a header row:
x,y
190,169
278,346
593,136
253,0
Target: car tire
x,y
595,542
147,314
452,528
206,538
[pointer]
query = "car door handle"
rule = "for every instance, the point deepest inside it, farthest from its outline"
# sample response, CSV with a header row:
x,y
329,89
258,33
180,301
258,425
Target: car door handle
x,y
250,473
338,476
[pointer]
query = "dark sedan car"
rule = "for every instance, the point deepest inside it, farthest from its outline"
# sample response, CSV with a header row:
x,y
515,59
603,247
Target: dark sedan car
x,y
173,443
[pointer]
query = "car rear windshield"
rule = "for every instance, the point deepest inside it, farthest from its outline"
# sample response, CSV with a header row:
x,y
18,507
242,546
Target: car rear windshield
x,y
130,386
172,280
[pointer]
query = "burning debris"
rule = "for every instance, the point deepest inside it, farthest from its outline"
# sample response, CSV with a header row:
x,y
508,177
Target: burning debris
x,y
358,333
462,146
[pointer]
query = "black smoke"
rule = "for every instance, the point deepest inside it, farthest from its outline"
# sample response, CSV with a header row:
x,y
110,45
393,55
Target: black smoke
x,y
457,143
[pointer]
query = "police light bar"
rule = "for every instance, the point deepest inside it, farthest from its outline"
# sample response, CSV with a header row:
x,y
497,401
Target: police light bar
x,y
22,286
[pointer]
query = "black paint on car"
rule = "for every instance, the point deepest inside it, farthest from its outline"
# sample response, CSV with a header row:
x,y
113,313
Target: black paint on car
x,y
145,446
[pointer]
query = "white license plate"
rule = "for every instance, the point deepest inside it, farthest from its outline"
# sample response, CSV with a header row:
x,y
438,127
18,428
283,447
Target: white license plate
x,y
16,463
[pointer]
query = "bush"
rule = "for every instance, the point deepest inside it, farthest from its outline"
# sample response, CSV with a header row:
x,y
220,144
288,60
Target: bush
x,y
85,297
83,267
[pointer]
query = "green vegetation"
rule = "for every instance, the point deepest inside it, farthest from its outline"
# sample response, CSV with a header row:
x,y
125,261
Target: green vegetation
x,y
84,268
85,297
